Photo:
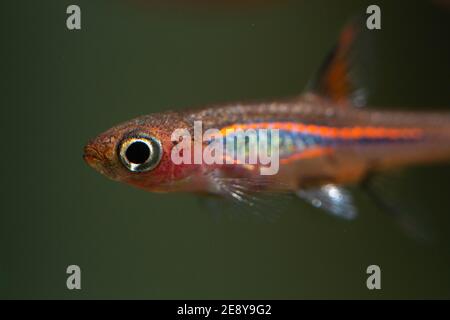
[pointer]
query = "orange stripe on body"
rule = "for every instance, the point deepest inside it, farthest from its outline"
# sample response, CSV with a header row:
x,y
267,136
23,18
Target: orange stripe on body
x,y
307,154
347,133
333,132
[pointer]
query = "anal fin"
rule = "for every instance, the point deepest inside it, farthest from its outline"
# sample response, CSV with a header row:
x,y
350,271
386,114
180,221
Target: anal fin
x,y
385,192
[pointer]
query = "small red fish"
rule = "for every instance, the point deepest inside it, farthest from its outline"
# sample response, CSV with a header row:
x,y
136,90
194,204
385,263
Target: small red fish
x,y
325,142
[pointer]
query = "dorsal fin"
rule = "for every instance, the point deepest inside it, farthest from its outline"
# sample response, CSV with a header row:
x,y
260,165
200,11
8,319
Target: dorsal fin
x,y
337,79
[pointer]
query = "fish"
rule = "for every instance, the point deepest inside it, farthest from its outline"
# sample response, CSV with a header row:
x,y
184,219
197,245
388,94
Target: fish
x,y
327,139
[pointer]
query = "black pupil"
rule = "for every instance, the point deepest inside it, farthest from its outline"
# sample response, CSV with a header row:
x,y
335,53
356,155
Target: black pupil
x,y
138,152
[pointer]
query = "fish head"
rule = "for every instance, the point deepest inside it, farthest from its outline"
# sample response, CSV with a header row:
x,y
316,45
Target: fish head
x,y
138,152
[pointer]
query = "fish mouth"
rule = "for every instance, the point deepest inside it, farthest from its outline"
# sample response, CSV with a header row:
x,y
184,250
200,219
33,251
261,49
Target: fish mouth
x,y
91,156
96,161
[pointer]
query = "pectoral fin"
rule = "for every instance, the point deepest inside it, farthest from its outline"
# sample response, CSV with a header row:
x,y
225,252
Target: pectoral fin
x,y
331,198
257,196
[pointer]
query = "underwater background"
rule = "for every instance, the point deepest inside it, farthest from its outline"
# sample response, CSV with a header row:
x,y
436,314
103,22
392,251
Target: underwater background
x,y
61,88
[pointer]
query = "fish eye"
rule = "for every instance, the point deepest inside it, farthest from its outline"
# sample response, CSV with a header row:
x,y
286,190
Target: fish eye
x,y
139,154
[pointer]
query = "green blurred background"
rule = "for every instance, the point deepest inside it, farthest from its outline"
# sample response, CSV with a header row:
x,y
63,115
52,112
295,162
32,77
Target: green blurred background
x,y
61,87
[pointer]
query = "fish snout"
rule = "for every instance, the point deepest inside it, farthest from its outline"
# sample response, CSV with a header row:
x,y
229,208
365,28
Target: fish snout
x,y
91,156
98,160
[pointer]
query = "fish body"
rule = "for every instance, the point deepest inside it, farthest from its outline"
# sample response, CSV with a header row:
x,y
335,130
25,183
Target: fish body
x,y
325,142
319,142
